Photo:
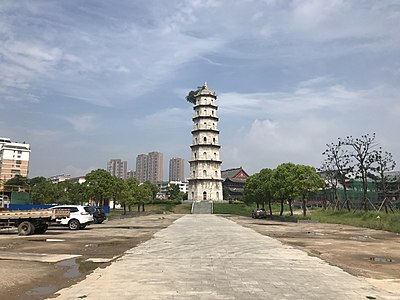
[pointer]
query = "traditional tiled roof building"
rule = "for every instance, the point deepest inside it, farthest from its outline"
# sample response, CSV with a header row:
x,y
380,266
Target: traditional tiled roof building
x,y
234,181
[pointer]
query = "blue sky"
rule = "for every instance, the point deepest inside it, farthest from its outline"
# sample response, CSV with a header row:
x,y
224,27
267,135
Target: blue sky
x,y
87,81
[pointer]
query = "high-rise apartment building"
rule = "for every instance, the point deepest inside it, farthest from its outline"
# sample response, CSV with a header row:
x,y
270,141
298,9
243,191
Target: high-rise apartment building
x,y
131,174
141,167
14,159
117,168
176,169
150,167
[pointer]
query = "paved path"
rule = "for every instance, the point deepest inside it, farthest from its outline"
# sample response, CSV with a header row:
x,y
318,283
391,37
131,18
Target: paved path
x,y
210,257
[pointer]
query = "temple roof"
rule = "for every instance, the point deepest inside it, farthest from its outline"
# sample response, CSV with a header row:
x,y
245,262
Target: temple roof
x,y
235,175
204,90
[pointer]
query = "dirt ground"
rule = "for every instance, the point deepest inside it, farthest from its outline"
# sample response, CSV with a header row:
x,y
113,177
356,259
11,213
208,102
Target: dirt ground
x,y
24,279
363,252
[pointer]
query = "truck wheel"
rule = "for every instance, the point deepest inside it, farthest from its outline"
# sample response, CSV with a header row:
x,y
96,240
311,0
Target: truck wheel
x,y
41,229
26,228
74,224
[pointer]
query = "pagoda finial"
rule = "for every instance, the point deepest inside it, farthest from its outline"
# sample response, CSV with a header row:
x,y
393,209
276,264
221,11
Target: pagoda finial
x,y
205,84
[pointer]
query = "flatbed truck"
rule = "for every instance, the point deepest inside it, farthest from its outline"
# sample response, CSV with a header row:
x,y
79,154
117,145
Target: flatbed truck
x,y
31,221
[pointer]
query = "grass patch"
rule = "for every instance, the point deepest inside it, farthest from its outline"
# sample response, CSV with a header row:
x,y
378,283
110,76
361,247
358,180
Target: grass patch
x,y
239,209
243,209
369,219
158,208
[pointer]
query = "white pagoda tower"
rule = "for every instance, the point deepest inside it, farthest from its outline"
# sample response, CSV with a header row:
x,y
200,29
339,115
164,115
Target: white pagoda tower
x,y
205,182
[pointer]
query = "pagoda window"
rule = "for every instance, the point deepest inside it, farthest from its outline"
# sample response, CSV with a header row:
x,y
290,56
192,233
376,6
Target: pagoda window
x,y
195,155
214,140
205,155
204,195
205,139
204,173
194,174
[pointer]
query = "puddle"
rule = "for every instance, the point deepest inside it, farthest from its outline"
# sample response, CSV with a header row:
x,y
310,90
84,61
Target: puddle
x,y
73,267
42,290
381,259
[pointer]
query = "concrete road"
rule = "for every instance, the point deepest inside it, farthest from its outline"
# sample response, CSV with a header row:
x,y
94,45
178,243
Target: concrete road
x,y
210,257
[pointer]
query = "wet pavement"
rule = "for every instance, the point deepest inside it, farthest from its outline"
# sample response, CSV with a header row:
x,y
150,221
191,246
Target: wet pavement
x,y
210,257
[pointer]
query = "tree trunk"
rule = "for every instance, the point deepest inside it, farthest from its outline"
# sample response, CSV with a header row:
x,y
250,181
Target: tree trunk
x,y
304,206
281,213
270,207
138,207
365,189
143,207
124,209
290,207
346,198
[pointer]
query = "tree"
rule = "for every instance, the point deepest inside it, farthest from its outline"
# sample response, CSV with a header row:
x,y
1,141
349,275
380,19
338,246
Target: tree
x,y
128,196
99,184
76,193
306,180
191,96
257,189
144,195
364,155
282,185
173,192
385,163
337,167
43,191
16,183
118,186
252,190
153,188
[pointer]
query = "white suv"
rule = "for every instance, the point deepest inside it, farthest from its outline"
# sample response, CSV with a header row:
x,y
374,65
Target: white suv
x,y
79,217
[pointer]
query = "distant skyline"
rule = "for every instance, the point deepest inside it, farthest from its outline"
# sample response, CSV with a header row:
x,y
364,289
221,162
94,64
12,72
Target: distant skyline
x,y
86,81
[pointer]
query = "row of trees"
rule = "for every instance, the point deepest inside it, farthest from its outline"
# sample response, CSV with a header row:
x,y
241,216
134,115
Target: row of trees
x,y
99,187
357,158
285,183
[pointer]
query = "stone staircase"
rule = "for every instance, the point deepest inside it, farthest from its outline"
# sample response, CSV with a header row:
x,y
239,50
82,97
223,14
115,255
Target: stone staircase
x,y
202,207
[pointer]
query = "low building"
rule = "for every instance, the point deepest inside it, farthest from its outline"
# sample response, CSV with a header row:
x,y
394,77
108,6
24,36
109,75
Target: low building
x,y
234,182
164,186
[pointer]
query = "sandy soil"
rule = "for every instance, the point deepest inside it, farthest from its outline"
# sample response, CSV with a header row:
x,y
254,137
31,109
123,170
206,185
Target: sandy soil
x,y
362,252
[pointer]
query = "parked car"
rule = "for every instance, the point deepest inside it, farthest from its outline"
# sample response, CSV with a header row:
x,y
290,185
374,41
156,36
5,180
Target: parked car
x,y
99,215
80,216
259,213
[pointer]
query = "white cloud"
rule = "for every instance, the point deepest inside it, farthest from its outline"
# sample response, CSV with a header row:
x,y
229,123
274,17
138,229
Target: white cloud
x,y
165,119
290,75
82,123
